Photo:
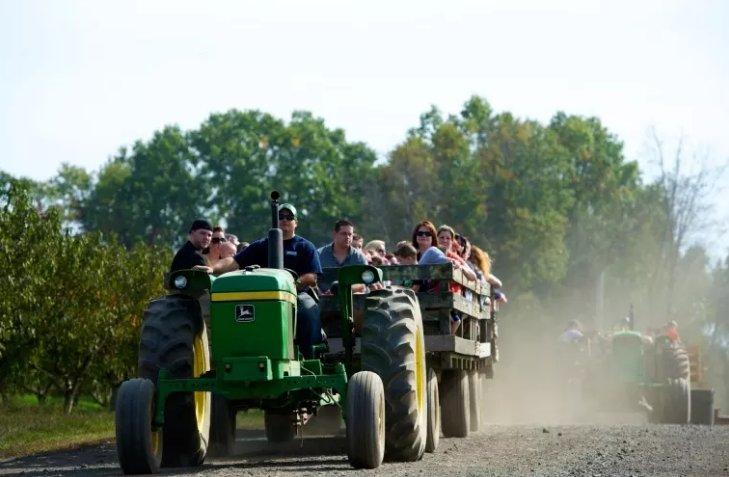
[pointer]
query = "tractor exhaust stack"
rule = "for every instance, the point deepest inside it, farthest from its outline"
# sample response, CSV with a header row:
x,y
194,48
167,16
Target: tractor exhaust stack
x,y
275,236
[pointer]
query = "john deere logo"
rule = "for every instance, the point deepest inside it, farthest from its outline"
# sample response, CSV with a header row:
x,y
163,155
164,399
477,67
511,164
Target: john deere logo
x,y
245,313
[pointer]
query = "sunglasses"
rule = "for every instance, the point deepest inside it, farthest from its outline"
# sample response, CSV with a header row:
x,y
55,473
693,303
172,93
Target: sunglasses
x,y
423,233
218,240
286,217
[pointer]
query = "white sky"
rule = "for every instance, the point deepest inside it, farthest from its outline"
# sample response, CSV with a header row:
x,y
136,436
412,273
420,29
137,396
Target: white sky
x,y
79,79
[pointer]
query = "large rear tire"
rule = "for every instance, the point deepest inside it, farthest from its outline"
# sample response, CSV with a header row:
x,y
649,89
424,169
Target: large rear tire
x,y
431,444
393,347
222,428
366,420
174,337
454,405
675,371
138,445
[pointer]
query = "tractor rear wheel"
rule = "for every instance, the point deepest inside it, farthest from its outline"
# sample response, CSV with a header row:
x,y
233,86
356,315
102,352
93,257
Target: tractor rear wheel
x,y
279,426
393,347
454,405
365,410
174,337
138,445
674,400
222,428
431,444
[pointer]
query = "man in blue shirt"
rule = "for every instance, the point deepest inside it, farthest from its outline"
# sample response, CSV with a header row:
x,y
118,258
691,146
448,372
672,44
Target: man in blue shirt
x,y
300,256
340,253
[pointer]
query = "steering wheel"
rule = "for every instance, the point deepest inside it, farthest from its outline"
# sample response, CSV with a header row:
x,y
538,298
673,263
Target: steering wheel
x,y
293,273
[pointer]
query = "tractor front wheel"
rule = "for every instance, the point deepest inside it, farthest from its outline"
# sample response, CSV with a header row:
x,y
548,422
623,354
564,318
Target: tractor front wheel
x,y
138,444
365,411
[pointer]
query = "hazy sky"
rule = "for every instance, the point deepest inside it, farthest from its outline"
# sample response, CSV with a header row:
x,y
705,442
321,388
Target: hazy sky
x,y
79,79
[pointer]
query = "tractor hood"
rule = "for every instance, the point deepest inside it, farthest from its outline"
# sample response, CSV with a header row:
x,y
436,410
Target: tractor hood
x,y
258,279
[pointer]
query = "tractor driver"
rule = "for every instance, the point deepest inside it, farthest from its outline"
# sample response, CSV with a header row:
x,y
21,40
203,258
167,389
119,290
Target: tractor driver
x,y
299,256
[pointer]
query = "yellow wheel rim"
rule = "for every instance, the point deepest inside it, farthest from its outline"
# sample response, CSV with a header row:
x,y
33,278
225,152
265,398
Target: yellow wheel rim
x,y
200,365
420,369
156,442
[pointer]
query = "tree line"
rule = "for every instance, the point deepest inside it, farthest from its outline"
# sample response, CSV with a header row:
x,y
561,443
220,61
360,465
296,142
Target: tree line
x,y
573,228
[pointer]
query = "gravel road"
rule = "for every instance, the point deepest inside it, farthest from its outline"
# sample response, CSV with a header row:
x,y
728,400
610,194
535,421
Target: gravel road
x,y
503,450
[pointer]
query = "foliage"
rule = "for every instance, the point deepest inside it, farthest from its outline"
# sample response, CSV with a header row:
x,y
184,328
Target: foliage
x,y
70,304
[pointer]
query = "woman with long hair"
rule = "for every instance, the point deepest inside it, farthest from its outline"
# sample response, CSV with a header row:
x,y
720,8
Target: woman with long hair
x,y
424,237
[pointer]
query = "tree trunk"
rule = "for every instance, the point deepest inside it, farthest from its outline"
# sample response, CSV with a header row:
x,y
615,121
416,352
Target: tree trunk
x,y
69,398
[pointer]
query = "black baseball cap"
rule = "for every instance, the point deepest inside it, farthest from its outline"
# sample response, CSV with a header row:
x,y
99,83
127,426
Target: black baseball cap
x,y
201,224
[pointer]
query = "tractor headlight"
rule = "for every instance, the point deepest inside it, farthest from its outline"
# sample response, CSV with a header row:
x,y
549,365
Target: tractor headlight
x,y
180,282
368,277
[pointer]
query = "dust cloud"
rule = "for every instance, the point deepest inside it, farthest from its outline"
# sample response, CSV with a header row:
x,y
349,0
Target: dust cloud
x,y
539,380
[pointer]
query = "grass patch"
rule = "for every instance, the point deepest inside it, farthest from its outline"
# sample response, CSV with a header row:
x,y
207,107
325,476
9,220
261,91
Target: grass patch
x,y
27,428
251,419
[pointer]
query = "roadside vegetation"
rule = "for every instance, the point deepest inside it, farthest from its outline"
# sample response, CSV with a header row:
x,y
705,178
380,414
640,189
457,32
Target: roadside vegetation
x,y
29,428
575,229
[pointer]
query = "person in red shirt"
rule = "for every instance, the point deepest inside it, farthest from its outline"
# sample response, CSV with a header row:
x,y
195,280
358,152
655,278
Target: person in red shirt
x,y
671,331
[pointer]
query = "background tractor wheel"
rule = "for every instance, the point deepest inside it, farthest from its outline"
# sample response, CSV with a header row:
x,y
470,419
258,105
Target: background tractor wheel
x,y
222,428
474,400
431,443
174,337
393,347
280,426
138,446
702,406
674,363
454,403
676,405
365,410
674,398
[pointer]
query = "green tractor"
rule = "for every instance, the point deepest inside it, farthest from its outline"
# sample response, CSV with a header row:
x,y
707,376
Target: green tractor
x,y
183,404
638,374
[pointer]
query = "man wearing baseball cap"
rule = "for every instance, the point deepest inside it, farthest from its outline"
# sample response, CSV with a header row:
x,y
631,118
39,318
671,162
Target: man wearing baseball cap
x,y
190,254
300,256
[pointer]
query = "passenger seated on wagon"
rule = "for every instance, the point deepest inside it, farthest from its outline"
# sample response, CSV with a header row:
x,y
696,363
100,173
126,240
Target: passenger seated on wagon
x,y
406,254
377,252
435,256
446,240
424,237
340,253
482,263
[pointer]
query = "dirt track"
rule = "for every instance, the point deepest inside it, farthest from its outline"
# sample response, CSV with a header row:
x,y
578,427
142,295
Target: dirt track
x,y
578,450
